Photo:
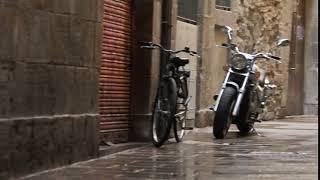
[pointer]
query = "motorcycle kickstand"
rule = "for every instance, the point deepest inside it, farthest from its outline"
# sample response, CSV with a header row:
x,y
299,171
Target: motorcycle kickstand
x,y
254,117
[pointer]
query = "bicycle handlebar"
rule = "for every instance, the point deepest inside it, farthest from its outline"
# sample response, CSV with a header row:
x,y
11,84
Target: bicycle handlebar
x,y
151,45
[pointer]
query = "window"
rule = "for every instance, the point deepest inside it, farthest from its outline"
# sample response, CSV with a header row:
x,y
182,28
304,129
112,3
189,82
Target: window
x,y
223,5
187,10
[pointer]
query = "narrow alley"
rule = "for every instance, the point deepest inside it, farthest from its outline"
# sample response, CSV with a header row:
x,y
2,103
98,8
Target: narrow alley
x,y
281,149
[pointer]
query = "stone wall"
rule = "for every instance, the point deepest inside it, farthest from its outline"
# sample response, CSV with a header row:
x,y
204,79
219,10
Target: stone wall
x,y
145,68
207,67
49,69
311,75
259,24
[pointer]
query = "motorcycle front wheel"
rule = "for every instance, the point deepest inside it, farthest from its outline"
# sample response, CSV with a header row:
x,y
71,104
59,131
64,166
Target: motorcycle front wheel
x,y
223,115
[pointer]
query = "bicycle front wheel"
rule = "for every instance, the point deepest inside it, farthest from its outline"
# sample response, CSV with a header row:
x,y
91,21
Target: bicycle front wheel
x,y
164,111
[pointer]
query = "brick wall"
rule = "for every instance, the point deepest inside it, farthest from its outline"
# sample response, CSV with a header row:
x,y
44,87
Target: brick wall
x,y
49,67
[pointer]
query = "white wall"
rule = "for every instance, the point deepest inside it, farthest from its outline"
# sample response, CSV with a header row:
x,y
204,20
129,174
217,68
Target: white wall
x,y
187,35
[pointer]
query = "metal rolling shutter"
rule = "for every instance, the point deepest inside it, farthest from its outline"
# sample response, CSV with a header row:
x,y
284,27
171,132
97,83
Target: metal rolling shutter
x,y
115,68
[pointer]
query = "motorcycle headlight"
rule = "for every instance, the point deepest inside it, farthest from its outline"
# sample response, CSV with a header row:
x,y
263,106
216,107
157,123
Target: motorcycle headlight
x,y
239,62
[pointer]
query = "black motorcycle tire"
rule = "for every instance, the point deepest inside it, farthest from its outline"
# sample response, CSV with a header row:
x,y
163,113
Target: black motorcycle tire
x,y
160,133
244,124
222,119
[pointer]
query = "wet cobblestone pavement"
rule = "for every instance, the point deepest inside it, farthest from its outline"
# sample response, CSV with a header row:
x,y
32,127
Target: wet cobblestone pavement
x,y
279,150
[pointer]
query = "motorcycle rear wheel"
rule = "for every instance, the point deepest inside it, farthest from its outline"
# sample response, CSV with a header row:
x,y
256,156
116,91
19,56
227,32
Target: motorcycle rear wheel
x,y
244,123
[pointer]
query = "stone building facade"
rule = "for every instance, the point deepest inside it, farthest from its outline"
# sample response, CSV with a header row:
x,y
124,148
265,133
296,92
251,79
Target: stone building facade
x,y
246,18
257,26
49,67
50,62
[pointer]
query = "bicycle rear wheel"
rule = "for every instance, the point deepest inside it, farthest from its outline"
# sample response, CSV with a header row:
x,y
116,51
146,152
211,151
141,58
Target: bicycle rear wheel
x,y
164,111
179,124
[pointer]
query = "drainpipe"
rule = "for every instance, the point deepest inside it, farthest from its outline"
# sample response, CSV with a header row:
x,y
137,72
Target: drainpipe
x,y
168,24
165,31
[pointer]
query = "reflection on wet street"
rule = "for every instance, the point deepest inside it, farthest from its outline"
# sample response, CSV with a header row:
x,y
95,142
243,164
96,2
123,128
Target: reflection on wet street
x,y
277,150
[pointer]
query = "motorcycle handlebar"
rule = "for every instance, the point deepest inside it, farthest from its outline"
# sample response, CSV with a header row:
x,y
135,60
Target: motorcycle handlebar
x,y
259,55
151,45
269,56
274,57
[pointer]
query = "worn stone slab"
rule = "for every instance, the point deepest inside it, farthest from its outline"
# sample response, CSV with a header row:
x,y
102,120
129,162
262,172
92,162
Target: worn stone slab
x,y
268,153
44,142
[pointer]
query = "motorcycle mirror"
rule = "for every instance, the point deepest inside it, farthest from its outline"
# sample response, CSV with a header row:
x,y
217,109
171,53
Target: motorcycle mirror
x,y
283,42
228,28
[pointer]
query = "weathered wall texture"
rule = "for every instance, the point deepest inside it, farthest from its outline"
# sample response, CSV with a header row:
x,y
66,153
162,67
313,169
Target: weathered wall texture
x,y
311,58
206,69
219,59
260,24
49,67
187,35
145,68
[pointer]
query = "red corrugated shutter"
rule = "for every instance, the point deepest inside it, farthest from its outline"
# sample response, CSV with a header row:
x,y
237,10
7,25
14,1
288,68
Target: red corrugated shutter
x,y
115,68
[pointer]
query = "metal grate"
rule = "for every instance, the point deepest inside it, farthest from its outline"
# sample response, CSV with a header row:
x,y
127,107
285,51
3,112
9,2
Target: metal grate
x,y
115,70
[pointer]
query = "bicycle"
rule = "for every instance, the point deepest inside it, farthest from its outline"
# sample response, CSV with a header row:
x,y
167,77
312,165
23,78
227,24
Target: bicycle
x,y
171,103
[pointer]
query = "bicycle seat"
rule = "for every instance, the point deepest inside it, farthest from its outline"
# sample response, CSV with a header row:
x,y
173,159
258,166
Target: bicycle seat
x,y
177,61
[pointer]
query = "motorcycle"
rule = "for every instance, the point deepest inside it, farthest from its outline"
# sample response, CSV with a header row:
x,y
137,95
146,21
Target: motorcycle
x,y
244,90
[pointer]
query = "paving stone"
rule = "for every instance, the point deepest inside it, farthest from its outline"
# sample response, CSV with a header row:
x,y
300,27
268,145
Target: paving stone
x,y
289,153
